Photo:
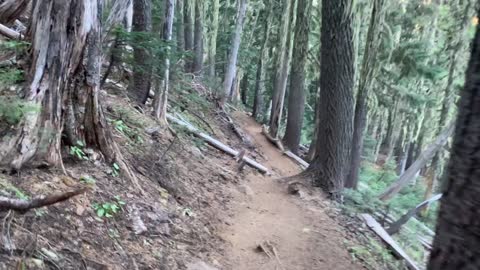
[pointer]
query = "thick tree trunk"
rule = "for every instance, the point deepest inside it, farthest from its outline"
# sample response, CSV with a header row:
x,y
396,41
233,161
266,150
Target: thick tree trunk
x,y
212,48
198,38
282,67
330,167
65,62
188,34
423,159
457,238
296,98
142,70
162,92
367,76
262,66
232,58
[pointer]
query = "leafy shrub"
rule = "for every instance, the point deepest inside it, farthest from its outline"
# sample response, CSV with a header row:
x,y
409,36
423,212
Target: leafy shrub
x,y
12,110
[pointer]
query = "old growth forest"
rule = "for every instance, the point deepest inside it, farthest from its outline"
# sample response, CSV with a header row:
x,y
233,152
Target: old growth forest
x,y
240,134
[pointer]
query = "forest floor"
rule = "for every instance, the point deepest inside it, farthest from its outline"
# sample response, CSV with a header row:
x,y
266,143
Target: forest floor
x,y
297,231
196,211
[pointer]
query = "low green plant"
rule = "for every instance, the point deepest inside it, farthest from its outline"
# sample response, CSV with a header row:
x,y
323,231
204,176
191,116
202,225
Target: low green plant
x,y
131,133
88,180
12,110
115,170
109,209
77,150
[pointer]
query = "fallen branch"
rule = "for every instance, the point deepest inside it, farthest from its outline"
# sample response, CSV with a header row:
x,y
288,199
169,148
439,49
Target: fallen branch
x,y
37,202
10,33
296,158
380,231
238,131
275,141
217,144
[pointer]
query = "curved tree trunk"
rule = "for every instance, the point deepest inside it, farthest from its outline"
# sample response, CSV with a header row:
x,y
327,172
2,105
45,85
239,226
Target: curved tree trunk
x,y
296,97
366,78
330,167
457,238
232,58
142,70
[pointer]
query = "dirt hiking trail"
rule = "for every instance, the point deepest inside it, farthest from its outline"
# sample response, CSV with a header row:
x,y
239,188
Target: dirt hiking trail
x,y
298,234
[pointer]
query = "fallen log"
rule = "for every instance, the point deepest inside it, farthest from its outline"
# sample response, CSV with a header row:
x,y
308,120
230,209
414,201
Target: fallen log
x,y
10,33
380,231
275,141
37,202
297,159
217,144
239,132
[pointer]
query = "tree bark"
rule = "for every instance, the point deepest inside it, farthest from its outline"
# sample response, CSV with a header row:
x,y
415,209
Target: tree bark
x,y
232,58
65,62
244,89
212,49
457,238
423,159
162,93
296,97
10,10
282,67
188,27
142,70
198,38
367,76
330,167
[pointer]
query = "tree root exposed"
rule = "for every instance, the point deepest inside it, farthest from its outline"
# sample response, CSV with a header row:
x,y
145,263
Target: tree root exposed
x,y
37,202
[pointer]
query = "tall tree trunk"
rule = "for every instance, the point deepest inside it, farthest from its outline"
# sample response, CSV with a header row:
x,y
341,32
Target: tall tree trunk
x,y
282,66
330,167
232,58
244,89
180,27
188,27
296,98
162,92
387,145
422,160
212,48
262,65
142,70
312,150
457,238
198,38
367,76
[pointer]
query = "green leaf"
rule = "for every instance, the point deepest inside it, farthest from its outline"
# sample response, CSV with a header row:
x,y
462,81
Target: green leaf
x,y
115,165
101,212
80,143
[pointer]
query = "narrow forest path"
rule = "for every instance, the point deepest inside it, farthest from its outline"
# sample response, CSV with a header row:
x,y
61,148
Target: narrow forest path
x,y
303,235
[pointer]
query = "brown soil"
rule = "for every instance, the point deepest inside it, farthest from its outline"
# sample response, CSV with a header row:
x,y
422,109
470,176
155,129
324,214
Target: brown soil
x,y
303,235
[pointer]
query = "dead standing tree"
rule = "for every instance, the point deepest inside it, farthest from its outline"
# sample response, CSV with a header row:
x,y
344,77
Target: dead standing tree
x,y
65,62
